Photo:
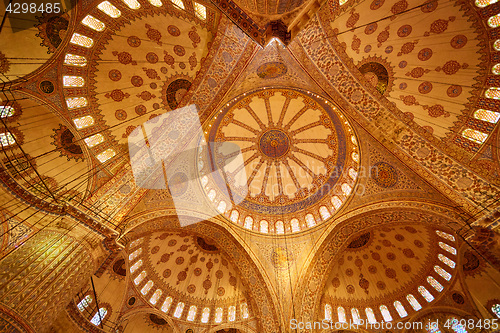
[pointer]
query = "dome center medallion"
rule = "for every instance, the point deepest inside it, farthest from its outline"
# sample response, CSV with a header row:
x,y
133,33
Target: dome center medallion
x,y
274,143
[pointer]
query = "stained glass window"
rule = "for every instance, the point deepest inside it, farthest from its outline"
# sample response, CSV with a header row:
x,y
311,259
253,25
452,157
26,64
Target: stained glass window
x,y
218,315
445,235
93,23
280,227
444,274
99,316
496,69
211,195
484,3
234,216
346,188
157,294
385,313
328,312
156,3
135,243
204,181
294,223
496,45
457,327
81,40
492,93
400,309
413,302
310,220
222,207
73,81
178,310
6,111
355,157
494,21
94,140
76,102
496,309
355,316
147,287
487,115
109,9
83,122
244,310
341,315
84,303
7,139
231,313
336,202
106,155
353,140
353,173
474,135
205,315
248,222
134,254
264,226
432,281
178,3
432,327
448,248
427,295
132,4
200,11
323,211
370,315
75,60
446,260
166,304
191,313
139,278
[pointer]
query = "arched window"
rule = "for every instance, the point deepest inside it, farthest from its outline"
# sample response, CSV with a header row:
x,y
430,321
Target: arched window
x,y
496,69
75,60
139,278
355,316
310,220
211,195
445,235
84,303
179,4
353,173
341,315
492,93
323,211
81,40
94,140
234,216
444,274
385,313
494,21
346,188
328,312
136,266
355,157
191,313
264,226
280,228
166,304
484,3
93,23
200,11
6,111
487,115
496,309
76,102
432,327
157,294
134,254
426,294
457,327
473,135
446,260
204,181
7,139
448,248
132,4
336,202
178,310
496,45
370,315
222,207
432,281
244,310
205,315
147,287
231,313
295,225
156,3
218,315
99,316
83,122
106,155
248,223
400,309
413,302
107,8
135,243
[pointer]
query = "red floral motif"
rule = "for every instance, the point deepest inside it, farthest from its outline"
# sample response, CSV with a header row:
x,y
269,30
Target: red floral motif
x,y
409,100
356,43
117,95
179,50
128,131
376,4
390,273
425,87
140,110
153,34
451,67
407,48
425,54
121,114
191,289
146,95
173,30
350,289
408,253
417,72
195,38
352,20
458,41
115,75
221,291
428,129
436,110
364,284
383,36
429,6
152,58
151,73
399,7
136,81
404,30
207,284
335,282
439,26
169,60
134,41
370,28
193,62
380,285
454,91
124,58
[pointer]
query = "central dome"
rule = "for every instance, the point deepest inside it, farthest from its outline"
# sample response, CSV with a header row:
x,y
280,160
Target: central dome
x,y
300,158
